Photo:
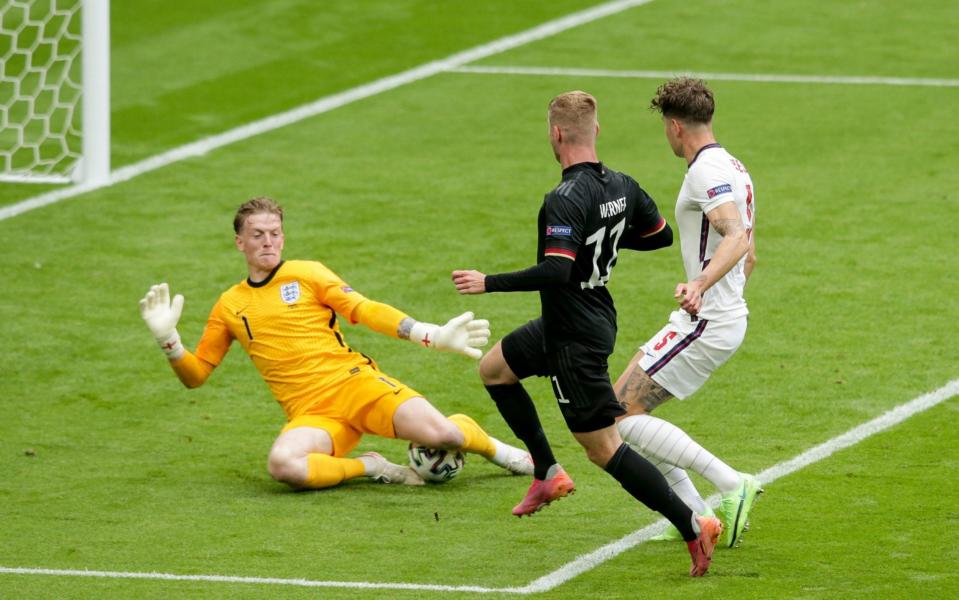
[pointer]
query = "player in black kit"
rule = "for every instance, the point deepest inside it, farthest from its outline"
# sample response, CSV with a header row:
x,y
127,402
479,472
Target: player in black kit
x,y
582,225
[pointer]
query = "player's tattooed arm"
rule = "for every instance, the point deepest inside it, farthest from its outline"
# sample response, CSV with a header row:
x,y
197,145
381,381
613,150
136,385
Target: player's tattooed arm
x,y
729,227
405,327
725,219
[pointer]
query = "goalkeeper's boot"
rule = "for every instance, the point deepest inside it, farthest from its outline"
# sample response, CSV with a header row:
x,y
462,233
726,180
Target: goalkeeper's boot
x,y
514,460
735,506
701,549
384,471
543,491
671,534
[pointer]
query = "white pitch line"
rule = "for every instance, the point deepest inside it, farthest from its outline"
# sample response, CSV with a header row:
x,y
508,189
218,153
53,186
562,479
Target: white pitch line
x,y
248,580
756,77
328,103
582,563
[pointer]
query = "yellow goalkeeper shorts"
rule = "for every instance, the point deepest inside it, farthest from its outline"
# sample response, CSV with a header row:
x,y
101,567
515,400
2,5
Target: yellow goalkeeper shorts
x,y
363,403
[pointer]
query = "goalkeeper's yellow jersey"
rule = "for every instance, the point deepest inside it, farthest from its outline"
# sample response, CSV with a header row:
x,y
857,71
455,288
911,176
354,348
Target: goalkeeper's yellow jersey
x,y
287,325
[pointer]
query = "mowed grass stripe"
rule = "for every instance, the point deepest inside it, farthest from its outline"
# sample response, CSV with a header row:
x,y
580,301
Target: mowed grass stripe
x,y
746,77
326,104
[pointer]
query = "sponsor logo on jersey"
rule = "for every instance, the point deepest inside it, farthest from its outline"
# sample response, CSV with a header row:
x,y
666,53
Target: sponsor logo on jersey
x,y
719,189
559,230
346,289
290,292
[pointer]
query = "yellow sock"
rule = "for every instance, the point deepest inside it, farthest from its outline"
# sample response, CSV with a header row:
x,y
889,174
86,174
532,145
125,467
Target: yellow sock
x,y
475,439
323,470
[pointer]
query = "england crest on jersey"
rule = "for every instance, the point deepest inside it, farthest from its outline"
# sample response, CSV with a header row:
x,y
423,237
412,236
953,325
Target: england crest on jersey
x,y
290,292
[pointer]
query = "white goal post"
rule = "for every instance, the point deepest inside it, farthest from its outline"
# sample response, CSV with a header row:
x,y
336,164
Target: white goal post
x,y
55,91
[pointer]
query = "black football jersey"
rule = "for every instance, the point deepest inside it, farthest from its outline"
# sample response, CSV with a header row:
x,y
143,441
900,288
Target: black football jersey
x,y
583,219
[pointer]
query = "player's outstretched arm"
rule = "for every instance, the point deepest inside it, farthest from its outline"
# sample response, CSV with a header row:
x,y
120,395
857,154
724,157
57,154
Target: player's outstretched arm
x,y
469,282
552,271
462,335
161,316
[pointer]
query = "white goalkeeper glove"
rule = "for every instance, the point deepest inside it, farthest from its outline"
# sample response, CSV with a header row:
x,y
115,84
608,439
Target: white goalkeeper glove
x,y
463,335
161,316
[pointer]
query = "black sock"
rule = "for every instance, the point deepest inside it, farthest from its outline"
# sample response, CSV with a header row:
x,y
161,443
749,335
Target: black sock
x,y
520,414
644,482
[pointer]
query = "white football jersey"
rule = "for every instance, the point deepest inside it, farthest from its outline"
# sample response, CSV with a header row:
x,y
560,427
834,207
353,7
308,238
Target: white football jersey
x,y
714,177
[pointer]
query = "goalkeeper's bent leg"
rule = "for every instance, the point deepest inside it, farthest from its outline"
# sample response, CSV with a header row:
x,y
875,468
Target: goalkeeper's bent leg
x,y
323,470
475,440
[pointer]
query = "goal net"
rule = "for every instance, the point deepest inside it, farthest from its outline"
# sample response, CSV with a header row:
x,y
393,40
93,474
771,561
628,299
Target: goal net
x,y
54,90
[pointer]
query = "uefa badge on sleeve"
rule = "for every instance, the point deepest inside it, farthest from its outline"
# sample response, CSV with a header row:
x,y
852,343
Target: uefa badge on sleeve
x,y
290,292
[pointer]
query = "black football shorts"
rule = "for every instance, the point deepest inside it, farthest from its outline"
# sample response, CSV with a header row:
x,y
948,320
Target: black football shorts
x,y
579,375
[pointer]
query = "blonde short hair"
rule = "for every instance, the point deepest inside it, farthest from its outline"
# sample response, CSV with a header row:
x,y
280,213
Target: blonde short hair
x,y
575,114
260,204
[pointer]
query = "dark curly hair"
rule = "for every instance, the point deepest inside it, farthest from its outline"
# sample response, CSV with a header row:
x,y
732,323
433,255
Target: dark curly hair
x,y
686,99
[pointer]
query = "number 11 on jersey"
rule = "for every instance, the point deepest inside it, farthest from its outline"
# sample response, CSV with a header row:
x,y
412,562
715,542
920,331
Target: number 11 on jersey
x,y
599,278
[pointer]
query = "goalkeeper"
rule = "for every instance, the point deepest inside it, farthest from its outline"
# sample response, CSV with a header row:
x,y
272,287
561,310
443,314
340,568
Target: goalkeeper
x,y
284,315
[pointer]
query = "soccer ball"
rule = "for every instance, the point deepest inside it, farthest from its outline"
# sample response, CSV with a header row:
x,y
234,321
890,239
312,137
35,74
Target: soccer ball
x,y
435,466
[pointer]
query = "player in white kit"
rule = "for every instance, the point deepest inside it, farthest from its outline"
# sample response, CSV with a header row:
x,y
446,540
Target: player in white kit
x,y
715,213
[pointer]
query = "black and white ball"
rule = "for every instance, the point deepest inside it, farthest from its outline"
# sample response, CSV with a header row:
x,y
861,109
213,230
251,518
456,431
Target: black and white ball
x,y
434,465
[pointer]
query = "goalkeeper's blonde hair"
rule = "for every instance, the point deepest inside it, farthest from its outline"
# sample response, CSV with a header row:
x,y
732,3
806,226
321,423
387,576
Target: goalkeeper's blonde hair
x,y
260,204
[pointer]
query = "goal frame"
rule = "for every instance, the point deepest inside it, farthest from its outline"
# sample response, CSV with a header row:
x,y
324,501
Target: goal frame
x,y
93,164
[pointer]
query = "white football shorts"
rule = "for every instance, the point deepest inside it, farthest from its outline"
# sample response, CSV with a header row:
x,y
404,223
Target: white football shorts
x,y
684,353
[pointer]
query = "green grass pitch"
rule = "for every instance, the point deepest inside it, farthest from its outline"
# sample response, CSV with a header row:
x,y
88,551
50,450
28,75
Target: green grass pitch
x,y
108,464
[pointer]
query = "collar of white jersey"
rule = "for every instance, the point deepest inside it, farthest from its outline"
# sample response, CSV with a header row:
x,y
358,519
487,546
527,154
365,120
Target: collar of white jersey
x,y
700,151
